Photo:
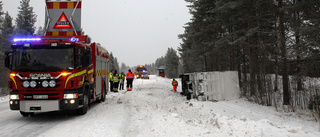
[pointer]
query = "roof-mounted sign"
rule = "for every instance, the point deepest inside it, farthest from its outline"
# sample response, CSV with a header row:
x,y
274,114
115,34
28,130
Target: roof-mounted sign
x,y
63,18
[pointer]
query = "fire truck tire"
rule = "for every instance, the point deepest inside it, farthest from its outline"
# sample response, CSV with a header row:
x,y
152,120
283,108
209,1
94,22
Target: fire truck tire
x,y
84,109
25,114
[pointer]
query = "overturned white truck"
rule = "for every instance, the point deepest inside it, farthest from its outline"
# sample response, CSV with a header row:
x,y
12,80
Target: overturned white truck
x,y
211,86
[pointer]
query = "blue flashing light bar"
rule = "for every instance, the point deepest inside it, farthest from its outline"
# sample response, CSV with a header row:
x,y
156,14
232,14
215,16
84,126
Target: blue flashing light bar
x,y
73,39
26,39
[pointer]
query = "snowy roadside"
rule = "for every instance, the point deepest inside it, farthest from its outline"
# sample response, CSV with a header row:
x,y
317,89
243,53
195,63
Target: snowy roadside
x,y
4,98
152,109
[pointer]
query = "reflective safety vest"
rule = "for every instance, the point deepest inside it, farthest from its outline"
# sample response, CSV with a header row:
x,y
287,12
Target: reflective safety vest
x,y
174,83
115,78
130,75
110,76
122,76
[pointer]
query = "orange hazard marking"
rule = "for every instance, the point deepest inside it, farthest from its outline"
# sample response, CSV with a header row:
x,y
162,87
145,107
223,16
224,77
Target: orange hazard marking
x,y
55,33
63,5
56,5
70,5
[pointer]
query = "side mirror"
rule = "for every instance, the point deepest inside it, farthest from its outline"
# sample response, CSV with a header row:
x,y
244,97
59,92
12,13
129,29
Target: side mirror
x,y
7,61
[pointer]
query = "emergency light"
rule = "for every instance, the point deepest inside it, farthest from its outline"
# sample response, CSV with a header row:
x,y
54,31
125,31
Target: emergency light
x,y
73,39
26,39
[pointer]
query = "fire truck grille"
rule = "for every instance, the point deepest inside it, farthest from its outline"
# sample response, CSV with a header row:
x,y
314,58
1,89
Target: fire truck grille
x,y
49,96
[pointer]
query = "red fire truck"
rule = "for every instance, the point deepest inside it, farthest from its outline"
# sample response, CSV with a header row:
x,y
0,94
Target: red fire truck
x,y
56,73
141,72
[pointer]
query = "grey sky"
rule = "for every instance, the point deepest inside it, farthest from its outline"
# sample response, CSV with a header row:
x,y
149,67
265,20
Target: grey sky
x,y
135,31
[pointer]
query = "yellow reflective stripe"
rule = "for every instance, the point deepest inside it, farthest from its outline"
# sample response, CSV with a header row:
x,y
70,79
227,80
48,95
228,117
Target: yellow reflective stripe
x,y
15,83
92,78
75,75
90,71
82,80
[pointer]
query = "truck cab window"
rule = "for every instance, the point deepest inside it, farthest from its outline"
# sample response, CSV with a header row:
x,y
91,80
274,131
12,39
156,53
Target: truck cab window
x,y
84,57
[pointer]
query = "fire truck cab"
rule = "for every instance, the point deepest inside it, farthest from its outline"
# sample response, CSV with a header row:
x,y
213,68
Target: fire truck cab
x,y
54,73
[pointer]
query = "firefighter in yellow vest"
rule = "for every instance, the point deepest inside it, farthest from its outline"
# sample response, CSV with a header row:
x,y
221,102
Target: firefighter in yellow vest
x,y
122,77
115,80
111,81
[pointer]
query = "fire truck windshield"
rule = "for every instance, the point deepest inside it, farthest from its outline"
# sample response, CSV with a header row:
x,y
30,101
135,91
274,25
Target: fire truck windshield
x,y
43,59
141,69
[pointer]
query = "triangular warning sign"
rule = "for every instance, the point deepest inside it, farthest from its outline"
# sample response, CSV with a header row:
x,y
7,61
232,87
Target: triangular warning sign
x,y
63,22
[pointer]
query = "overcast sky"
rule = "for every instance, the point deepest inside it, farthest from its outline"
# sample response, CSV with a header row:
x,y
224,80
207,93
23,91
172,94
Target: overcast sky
x,y
135,31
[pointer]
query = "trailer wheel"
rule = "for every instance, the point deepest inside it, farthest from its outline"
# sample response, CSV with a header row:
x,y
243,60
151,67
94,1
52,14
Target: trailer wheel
x,y
86,94
26,114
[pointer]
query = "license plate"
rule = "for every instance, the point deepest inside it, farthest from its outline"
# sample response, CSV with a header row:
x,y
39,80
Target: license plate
x,y
40,96
35,108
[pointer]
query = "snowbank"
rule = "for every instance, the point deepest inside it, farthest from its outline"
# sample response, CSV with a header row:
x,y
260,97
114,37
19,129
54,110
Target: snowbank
x,y
152,109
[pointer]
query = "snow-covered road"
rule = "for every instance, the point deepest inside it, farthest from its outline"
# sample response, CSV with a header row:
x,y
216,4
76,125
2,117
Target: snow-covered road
x,y
153,110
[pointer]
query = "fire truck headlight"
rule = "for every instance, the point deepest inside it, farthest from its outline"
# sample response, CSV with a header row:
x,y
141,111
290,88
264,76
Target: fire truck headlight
x,y
72,101
27,45
33,84
26,84
14,97
52,83
54,44
45,84
70,96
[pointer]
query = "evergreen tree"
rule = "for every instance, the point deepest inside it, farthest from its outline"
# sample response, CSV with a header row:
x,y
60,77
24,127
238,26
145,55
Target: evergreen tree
x,y
4,72
1,21
160,62
256,38
114,65
40,31
172,63
124,68
111,64
26,19
151,68
7,31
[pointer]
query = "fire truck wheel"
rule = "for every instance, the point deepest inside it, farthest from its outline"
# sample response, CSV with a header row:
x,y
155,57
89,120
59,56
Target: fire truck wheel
x,y
84,109
25,114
